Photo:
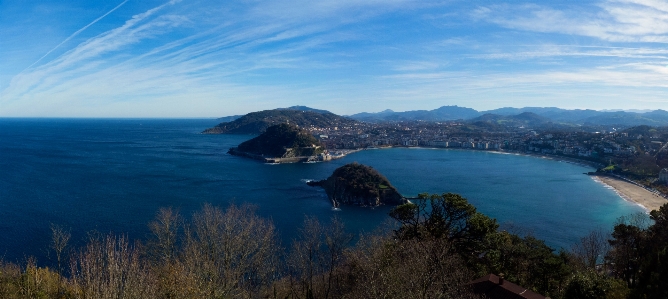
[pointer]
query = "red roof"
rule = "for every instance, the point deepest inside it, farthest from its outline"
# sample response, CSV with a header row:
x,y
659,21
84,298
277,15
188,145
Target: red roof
x,y
495,287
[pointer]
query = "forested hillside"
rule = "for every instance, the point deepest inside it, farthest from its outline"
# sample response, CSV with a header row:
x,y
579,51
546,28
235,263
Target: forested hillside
x,y
357,184
282,139
258,122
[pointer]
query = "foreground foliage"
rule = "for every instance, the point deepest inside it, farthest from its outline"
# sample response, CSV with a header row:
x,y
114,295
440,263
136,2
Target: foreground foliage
x,y
442,243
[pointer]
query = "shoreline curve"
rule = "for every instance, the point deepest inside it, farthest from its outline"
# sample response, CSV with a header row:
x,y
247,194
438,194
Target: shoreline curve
x,y
632,193
628,191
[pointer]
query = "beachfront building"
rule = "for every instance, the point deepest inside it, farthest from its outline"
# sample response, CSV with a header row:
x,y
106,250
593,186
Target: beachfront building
x,y
663,176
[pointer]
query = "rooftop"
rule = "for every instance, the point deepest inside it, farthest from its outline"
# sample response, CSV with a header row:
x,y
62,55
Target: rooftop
x,y
495,287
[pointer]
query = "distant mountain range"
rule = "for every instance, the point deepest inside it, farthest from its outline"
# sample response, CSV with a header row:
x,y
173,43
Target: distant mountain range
x,y
440,114
548,114
523,119
257,122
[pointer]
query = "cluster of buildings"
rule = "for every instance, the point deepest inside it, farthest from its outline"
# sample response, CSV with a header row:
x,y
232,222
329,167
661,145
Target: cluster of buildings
x,y
597,147
454,135
573,143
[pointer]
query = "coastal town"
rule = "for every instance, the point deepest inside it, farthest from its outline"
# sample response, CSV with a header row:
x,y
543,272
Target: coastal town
x,y
589,145
630,158
634,155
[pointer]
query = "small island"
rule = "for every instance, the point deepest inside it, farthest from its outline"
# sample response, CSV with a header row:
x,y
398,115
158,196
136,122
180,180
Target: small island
x,y
357,184
283,143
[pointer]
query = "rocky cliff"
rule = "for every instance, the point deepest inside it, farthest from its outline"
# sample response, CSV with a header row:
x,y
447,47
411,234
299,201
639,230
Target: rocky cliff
x,y
357,184
281,141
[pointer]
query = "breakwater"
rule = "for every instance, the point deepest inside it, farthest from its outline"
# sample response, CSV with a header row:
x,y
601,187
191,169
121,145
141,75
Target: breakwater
x,y
304,159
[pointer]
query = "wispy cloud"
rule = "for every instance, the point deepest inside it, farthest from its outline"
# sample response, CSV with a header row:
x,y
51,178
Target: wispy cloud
x,y
547,50
87,56
143,61
77,33
203,58
614,20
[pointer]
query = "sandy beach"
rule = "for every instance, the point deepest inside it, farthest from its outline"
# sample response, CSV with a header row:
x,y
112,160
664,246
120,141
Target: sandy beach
x,y
626,190
637,194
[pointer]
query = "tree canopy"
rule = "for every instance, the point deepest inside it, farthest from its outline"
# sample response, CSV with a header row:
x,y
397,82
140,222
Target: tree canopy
x,y
359,184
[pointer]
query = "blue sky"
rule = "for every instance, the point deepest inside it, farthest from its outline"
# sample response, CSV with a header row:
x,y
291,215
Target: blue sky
x,y
192,58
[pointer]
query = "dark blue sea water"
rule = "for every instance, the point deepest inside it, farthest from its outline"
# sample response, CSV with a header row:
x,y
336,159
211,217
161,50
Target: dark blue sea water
x,y
112,175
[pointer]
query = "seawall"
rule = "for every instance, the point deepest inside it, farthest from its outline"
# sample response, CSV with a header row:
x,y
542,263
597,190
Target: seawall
x,y
236,152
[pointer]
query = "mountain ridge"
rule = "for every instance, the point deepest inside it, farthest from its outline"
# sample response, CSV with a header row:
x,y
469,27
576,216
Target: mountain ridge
x,y
258,122
556,115
255,123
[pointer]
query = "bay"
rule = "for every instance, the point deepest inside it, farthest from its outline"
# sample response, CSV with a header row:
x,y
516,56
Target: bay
x,y
112,175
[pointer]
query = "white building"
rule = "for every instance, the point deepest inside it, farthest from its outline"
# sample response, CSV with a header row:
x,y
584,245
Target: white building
x,y
663,176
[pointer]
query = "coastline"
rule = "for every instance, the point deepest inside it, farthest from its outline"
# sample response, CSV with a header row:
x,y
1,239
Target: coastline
x,y
338,154
628,191
631,192
566,159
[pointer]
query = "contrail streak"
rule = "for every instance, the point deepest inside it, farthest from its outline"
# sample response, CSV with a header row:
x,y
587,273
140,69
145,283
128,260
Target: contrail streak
x,y
75,34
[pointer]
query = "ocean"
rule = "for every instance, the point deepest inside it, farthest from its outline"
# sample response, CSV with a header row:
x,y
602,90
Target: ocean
x,y
112,175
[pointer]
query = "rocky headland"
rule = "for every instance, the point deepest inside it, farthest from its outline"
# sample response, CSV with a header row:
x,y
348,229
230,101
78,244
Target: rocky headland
x,y
282,143
258,122
361,185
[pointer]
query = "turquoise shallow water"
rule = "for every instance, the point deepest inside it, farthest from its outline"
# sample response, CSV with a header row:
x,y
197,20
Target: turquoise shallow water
x,y
111,175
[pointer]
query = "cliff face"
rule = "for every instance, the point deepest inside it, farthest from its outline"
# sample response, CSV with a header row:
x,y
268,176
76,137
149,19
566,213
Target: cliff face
x,y
357,184
281,141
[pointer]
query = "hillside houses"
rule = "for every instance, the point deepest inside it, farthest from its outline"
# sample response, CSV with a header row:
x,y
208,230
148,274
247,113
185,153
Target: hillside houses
x,y
458,135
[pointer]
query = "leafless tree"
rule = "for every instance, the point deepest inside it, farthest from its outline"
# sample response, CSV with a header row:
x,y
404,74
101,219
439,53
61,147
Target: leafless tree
x,y
306,261
227,254
592,248
60,237
387,268
165,229
315,257
111,268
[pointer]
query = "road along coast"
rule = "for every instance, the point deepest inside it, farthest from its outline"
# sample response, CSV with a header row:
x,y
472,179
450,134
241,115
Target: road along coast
x,y
632,192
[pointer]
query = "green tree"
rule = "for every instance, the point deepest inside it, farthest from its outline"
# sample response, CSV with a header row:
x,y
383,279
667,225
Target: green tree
x,y
591,285
528,262
448,216
628,248
474,237
653,273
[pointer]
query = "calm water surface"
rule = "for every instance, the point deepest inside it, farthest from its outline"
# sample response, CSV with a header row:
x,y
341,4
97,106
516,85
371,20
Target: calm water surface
x,y
111,175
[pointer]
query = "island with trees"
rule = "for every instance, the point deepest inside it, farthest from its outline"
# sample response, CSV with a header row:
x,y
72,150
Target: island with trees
x,y
282,143
357,184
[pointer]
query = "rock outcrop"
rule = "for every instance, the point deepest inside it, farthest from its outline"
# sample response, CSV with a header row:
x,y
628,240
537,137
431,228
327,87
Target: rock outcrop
x,y
280,141
357,184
